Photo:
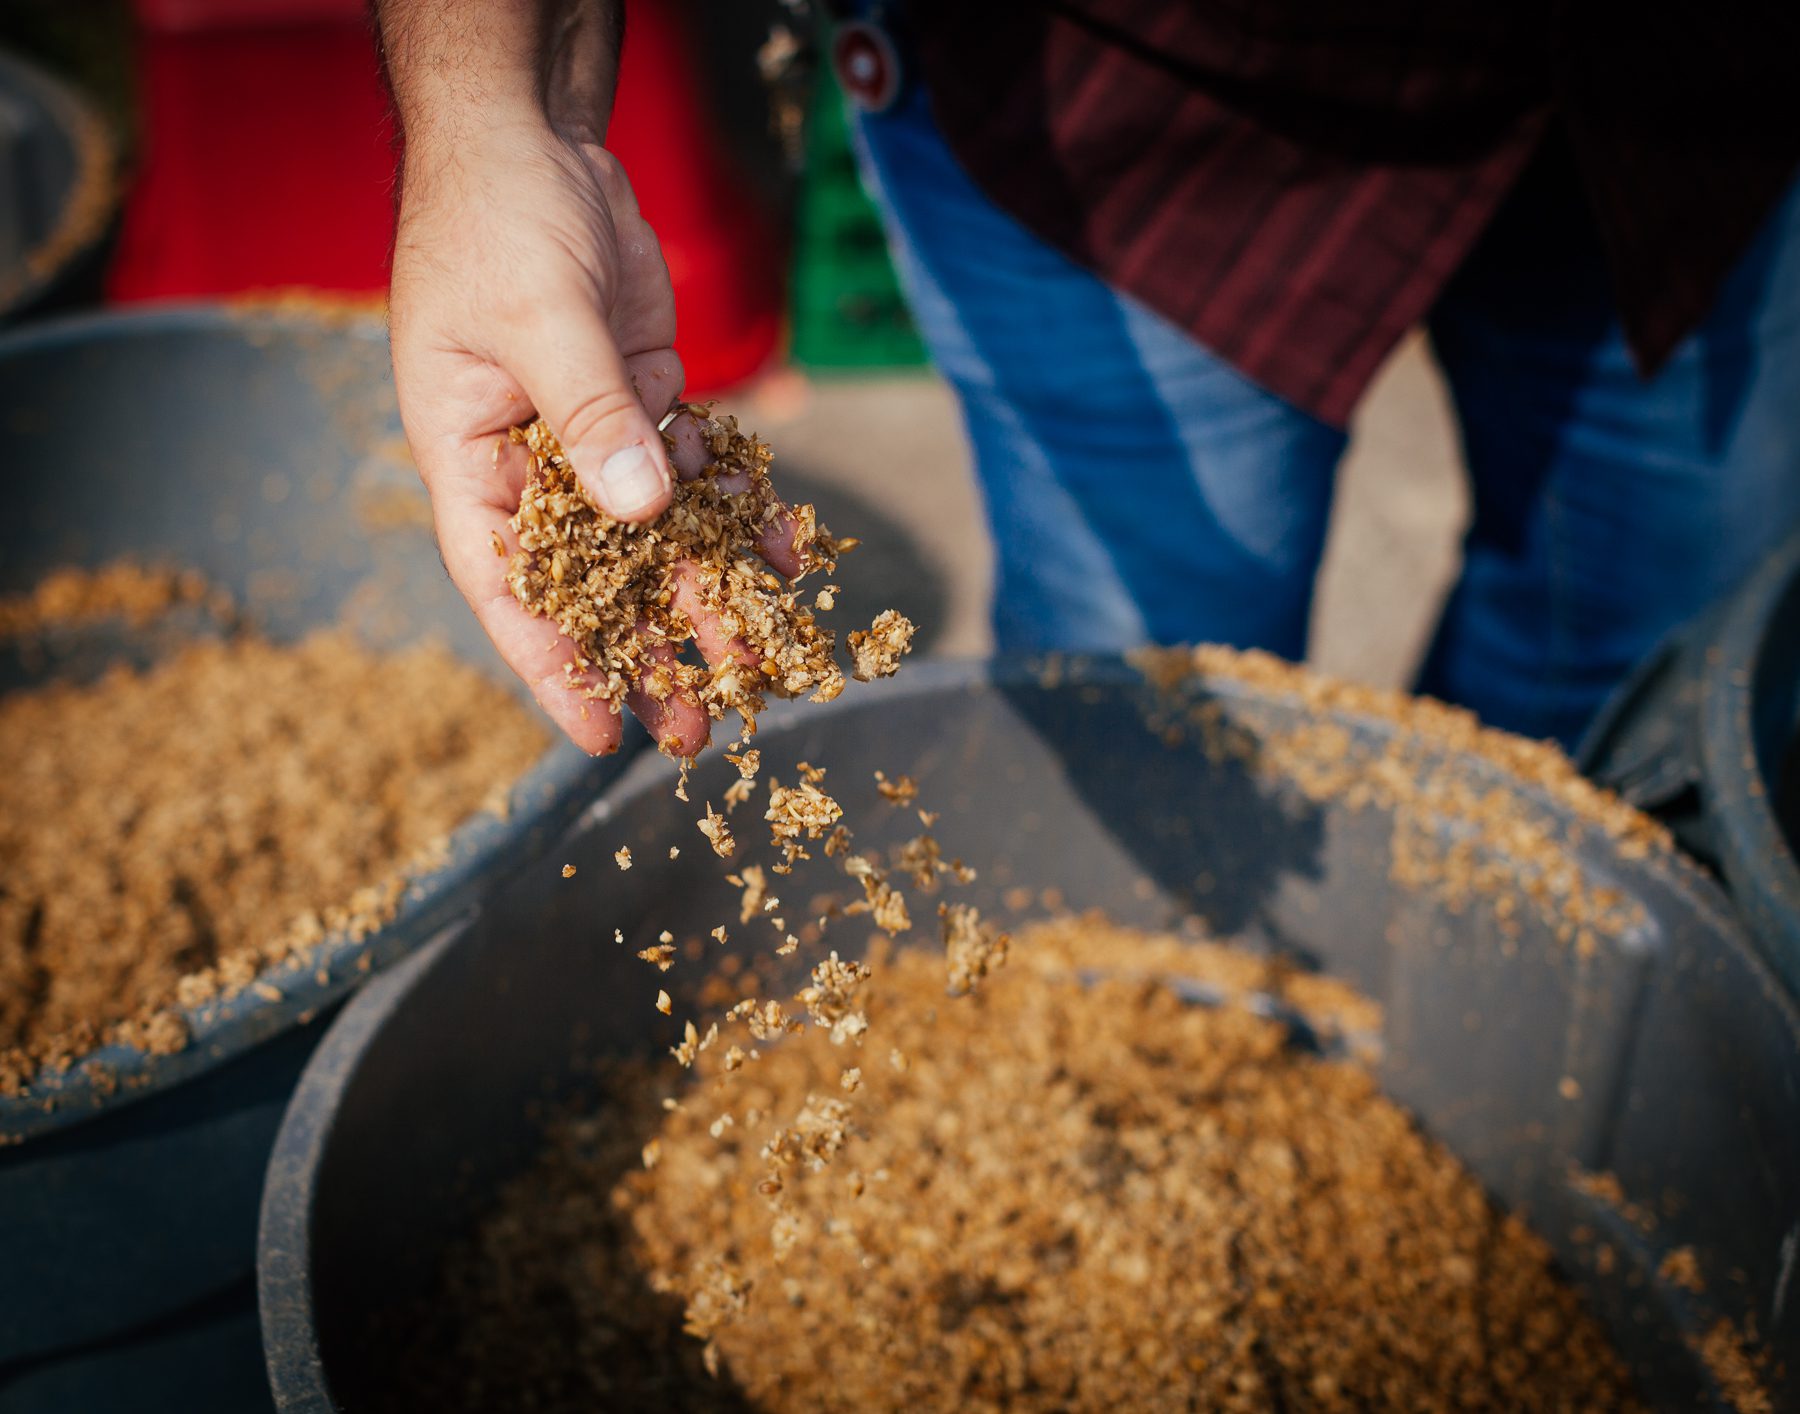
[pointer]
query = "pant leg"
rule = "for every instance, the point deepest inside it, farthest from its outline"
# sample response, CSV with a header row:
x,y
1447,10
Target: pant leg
x,y
1608,509
1138,489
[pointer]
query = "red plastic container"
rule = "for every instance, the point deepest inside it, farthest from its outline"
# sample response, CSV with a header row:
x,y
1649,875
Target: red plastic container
x,y
716,234
267,161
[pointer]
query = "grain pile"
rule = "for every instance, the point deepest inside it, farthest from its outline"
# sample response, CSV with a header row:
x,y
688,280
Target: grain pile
x,y
124,589
167,834
1465,837
1057,1194
1739,1373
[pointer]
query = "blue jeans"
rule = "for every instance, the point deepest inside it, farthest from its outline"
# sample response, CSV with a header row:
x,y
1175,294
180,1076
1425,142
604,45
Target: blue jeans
x,y
1140,490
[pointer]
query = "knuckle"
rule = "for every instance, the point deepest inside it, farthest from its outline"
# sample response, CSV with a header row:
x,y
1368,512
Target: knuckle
x,y
609,172
535,282
598,416
534,309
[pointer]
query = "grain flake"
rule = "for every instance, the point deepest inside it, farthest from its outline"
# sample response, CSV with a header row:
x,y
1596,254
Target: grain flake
x,y
717,832
877,650
830,998
800,811
901,792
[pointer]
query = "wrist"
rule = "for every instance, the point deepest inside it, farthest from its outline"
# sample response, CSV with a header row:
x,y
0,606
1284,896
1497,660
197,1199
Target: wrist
x,y
469,75
495,137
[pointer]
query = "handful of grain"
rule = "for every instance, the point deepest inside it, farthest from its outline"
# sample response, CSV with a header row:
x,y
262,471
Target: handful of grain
x,y
608,585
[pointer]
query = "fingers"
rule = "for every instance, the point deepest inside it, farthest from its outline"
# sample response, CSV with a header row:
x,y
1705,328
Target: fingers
x,y
467,526
531,646
658,378
539,655
691,456
678,721
716,645
590,723
576,379
775,543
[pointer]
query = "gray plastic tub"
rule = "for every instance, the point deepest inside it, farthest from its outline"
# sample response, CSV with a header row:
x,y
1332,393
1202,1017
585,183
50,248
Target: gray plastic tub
x,y
1263,814
261,448
1705,735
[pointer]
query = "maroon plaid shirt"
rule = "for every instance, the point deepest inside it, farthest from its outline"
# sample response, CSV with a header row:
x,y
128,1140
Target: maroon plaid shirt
x,y
1294,181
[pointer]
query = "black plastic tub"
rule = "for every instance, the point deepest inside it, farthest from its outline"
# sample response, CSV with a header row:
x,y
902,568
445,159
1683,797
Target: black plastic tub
x,y
1659,1049
58,193
1706,735
261,448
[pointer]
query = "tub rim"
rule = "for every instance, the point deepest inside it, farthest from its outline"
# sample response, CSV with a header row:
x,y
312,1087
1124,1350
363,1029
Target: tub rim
x,y
539,805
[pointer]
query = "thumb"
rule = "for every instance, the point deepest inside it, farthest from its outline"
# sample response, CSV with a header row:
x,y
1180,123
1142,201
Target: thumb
x,y
571,370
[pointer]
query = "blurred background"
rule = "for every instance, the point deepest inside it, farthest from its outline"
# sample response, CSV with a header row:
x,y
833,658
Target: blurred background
x,y
252,156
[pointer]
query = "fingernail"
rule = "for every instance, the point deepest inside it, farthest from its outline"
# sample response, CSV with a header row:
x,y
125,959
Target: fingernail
x,y
630,480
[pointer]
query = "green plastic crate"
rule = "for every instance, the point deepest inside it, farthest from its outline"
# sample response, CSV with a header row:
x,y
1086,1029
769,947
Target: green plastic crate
x,y
847,308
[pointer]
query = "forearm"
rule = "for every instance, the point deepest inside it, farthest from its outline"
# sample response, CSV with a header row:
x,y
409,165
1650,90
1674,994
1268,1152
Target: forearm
x,y
526,282
459,68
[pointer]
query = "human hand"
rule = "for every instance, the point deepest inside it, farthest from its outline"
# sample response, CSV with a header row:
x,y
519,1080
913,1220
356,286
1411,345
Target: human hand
x,y
526,282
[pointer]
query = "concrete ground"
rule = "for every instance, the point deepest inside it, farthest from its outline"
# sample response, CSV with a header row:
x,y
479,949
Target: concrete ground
x,y
896,443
